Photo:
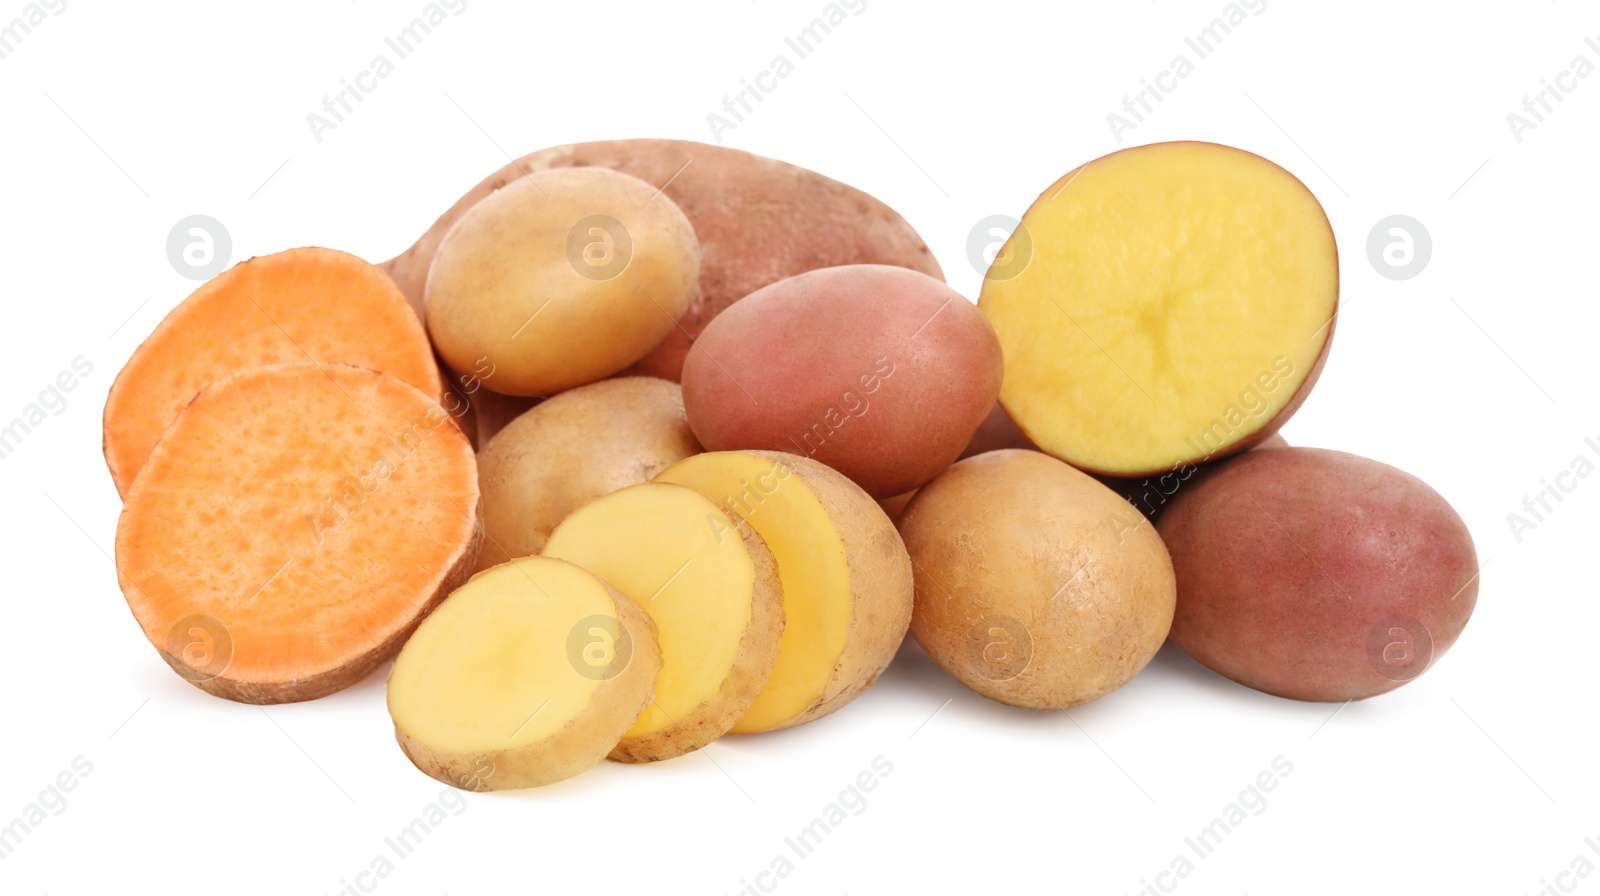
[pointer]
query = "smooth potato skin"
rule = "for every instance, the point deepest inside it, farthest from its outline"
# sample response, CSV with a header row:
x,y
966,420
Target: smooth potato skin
x,y
1288,559
571,449
759,220
1014,547
878,372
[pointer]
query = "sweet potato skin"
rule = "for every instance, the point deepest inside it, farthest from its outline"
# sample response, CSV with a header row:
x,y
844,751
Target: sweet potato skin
x,y
759,221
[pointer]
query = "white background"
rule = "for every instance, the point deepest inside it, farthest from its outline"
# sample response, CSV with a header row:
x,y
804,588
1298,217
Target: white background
x,y
119,119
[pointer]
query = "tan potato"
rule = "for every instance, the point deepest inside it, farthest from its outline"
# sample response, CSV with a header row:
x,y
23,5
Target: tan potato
x,y
560,279
846,577
571,449
759,221
711,586
1318,575
526,675
1036,586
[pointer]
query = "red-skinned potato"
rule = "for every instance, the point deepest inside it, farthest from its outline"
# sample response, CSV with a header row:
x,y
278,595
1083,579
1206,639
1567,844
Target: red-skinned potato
x,y
879,372
1318,575
758,221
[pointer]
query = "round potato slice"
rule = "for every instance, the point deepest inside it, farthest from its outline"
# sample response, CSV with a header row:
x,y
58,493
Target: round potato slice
x,y
527,675
711,586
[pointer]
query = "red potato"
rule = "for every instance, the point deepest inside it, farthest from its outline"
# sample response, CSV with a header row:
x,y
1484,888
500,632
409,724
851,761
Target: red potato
x,y
1318,575
879,372
758,220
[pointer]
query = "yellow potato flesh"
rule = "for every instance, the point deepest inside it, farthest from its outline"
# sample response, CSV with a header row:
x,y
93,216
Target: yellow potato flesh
x,y
1176,299
489,669
677,554
811,564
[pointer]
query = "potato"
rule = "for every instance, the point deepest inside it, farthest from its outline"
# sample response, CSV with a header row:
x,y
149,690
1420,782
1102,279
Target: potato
x,y
759,220
711,586
1153,494
879,372
1036,586
560,279
846,577
1163,305
571,449
526,675
1318,575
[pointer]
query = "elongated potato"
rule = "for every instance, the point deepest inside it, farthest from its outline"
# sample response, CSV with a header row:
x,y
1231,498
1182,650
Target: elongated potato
x,y
759,220
560,279
526,675
846,577
711,586
572,449
292,526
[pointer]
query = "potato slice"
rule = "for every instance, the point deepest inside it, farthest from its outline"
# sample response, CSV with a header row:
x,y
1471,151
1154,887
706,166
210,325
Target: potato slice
x,y
526,675
712,587
847,588
1162,305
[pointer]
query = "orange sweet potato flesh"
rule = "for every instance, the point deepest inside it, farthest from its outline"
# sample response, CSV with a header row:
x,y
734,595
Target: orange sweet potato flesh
x,y
759,221
297,306
293,526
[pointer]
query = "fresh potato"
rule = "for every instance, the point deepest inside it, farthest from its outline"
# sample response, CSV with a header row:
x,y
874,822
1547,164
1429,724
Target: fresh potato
x,y
759,220
711,586
571,449
1163,305
846,577
1036,586
879,372
559,279
526,675
1318,575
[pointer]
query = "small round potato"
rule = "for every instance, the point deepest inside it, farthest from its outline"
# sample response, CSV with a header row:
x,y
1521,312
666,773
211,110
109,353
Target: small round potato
x,y
1035,585
1318,575
879,372
560,278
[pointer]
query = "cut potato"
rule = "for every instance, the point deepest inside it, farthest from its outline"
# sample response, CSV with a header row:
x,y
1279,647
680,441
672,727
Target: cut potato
x,y
847,585
560,279
292,526
1177,306
572,449
711,586
526,675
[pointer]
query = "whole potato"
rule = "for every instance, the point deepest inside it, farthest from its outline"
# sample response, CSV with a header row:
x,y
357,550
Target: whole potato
x,y
1035,585
1318,575
879,372
571,449
559,279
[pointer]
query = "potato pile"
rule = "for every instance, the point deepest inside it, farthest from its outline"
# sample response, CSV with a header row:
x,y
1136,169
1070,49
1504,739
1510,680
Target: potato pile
x,y
648,442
